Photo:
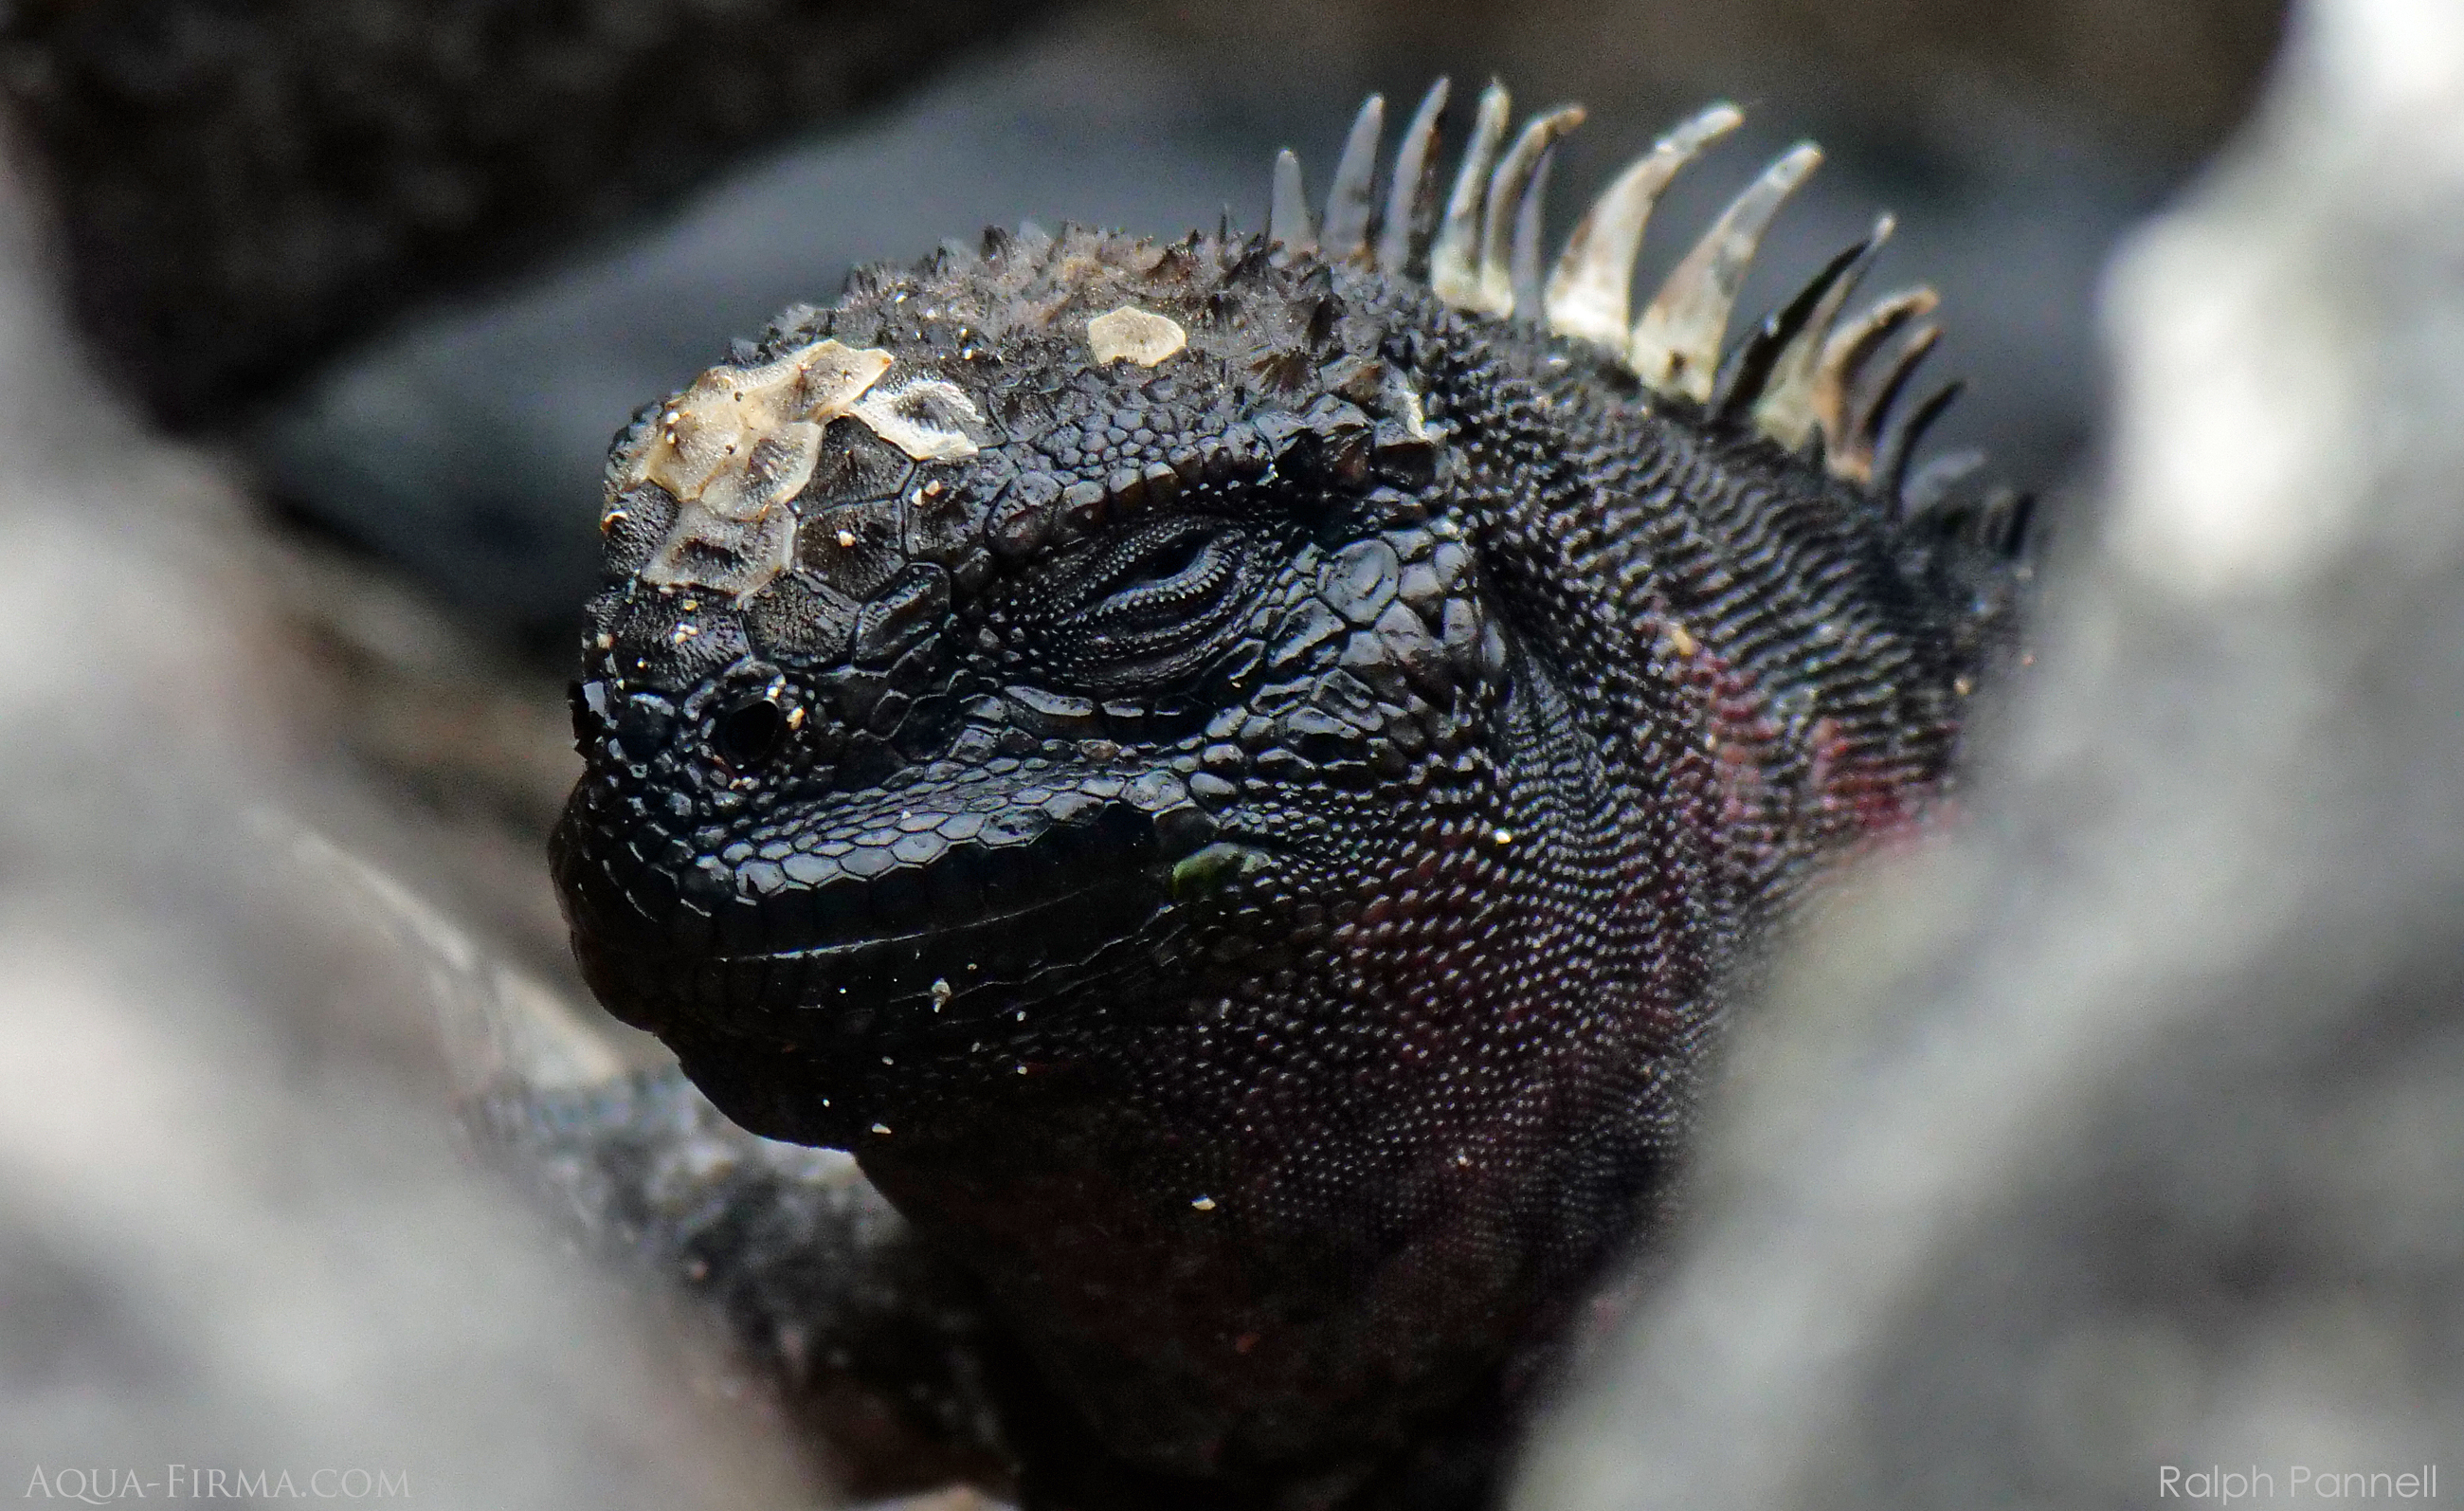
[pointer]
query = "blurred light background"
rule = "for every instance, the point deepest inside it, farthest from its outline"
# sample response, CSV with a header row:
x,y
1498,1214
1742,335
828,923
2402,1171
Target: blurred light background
x,y
316,318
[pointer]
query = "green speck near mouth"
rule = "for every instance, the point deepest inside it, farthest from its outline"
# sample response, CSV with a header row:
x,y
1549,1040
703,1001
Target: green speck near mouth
x,y
1211,870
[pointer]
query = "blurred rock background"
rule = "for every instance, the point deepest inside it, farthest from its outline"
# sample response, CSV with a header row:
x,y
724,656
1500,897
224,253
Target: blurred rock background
x,y
237,1233
2121,1135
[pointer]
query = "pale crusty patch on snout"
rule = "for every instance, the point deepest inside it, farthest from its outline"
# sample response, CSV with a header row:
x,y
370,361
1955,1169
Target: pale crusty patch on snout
x,y
926,419
1137,334
709,433
737,447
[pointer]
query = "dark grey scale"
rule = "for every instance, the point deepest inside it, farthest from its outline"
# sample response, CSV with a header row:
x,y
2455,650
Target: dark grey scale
x,y
1250,843
853,549
802,620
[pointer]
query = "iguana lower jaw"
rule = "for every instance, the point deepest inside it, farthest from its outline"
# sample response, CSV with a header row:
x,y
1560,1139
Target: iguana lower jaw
x,y
825,1008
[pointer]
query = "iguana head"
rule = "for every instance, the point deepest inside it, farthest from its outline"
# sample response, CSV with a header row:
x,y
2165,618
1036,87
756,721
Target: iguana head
x,y
1077,617
1251,744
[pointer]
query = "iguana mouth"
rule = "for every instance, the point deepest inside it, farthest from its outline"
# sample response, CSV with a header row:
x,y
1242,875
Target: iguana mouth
x,y
992,926
865,978
760,941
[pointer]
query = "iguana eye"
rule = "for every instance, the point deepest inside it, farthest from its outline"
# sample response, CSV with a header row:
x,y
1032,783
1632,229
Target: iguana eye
x,y
1156,606
748,732
1170,559
1165,580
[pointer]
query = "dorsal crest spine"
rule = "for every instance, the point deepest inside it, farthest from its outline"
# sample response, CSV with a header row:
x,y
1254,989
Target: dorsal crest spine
x,y
1806,379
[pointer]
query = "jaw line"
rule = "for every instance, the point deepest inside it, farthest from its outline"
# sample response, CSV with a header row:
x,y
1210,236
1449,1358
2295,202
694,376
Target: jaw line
x,y
942,931
1153,876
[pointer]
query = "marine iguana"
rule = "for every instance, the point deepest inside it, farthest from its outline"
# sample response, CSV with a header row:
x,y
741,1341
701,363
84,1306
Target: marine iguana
x,y
1241,776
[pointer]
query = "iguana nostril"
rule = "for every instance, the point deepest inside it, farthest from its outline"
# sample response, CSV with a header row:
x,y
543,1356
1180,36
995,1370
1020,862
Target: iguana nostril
x,y
749,733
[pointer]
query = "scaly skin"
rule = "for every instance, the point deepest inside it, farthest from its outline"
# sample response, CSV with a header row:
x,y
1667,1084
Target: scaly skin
x,y
1250,874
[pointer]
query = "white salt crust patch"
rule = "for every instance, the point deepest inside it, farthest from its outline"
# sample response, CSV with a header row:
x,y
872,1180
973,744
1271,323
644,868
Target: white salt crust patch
x,y
1130,334
737,446
926,419
709,431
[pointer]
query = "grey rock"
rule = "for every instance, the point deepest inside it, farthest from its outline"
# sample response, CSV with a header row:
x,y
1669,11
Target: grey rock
x,y
2119,1131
